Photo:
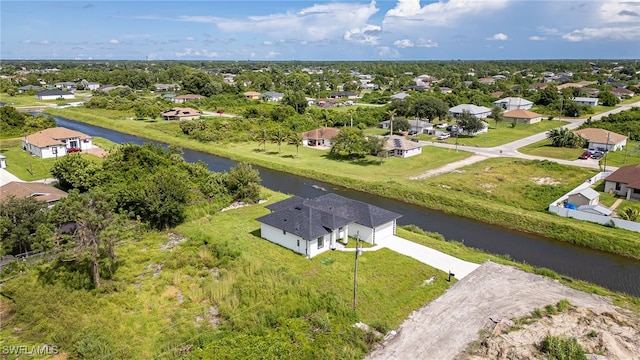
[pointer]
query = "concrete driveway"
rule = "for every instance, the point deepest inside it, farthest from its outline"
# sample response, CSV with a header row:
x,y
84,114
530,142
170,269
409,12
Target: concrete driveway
x,y
7,177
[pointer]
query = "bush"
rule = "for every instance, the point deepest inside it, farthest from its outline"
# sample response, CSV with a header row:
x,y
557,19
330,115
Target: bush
x,y
560,348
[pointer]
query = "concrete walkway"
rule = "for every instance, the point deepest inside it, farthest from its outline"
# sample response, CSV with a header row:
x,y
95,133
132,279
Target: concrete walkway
x,y
425,255
7,177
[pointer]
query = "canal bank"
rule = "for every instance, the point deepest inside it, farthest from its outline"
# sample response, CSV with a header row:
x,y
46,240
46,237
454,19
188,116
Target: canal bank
x,y
615,272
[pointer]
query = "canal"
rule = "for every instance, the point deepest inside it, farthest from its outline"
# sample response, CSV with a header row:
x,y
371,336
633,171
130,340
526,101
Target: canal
x,y
614,272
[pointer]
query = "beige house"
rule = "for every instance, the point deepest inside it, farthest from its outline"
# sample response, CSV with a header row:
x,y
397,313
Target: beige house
x,y
319,137
38,191
396,145
181,99
602,139
522,116
180,113
252,95
624,182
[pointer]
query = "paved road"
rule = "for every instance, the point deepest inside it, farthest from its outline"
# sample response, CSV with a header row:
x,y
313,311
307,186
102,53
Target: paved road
x,y
7,177
511,149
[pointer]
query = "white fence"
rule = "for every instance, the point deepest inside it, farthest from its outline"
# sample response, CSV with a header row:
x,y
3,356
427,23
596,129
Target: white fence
x,y
557,207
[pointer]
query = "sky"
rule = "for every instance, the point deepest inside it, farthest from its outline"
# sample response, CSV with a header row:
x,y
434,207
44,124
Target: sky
x,y
339,30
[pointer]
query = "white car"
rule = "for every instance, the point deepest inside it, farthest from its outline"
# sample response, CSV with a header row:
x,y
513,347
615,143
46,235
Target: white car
x,y
444,136
442,126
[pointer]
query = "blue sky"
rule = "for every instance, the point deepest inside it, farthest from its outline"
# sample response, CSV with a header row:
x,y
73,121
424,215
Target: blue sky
x,y
320,30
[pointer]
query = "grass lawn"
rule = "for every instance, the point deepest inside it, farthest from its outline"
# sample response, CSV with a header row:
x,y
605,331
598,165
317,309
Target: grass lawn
x,y
634,99
25,100
600,109
504,133
629,204
618,158
27,167
544,148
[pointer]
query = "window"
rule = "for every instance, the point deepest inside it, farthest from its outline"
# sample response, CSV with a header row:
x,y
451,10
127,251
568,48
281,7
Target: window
x,y
320,242
617,186
284,232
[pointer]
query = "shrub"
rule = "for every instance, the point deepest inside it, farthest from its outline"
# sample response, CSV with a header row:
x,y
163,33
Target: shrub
x,y
563,305
560,348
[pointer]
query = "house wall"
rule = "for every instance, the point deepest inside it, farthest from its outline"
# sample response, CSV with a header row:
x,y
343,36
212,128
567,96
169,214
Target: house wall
x,y
365,233
610,146
412,152
610,186
55,97
384,231
296,243
45,152
523,120
579,200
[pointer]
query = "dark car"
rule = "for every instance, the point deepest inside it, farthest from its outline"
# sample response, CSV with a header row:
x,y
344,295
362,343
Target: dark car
x,y
597,155
585,155
412,132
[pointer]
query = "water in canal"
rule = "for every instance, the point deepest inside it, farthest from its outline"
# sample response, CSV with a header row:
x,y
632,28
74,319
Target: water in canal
x,y
611,271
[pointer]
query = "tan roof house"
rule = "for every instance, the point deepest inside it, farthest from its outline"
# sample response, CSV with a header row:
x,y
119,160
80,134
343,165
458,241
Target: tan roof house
x,y
624,182
399,146
181,99
38,191
620,92
253,95
522,116
180,113
602,139
57,141
319,137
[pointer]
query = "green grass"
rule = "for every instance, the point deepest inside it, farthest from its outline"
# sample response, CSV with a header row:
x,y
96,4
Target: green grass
x,y
391,180
28,167
623,157
504,133
545,149
633,100
600,109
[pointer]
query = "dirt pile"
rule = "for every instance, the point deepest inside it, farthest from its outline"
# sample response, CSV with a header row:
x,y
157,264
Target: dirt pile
x,y
611,335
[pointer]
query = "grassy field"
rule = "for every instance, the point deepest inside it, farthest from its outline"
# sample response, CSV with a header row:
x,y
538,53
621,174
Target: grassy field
x,y
633,100
503,134
614,158
27,167
368,176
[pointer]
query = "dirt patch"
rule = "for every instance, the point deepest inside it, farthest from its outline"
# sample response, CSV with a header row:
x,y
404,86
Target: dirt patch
x,y
545,181
443,328
612,335
99,152
449,167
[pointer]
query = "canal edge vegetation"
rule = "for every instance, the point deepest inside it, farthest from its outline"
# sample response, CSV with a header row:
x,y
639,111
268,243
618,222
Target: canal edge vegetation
x,y
595,236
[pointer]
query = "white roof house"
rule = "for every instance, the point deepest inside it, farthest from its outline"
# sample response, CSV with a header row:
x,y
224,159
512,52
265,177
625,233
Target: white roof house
x,y
477,111
513,103
586,101
400,96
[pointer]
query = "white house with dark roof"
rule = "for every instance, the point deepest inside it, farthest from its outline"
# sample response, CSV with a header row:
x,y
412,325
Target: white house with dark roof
x,y
396,145
313,226
587,101
54,94
272,96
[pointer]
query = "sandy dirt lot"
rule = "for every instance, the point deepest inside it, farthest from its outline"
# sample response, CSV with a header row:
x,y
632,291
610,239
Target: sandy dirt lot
x,y
450,167
443,328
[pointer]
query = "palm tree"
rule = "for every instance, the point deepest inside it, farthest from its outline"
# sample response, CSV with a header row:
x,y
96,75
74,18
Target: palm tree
x,y
391,114
278,137
563,137
294,139
262,136
630,214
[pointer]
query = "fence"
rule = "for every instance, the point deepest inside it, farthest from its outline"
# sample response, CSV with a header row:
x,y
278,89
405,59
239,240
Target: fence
x,y
557,207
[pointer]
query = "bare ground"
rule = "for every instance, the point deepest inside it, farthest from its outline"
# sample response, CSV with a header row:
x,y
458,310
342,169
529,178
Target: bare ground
x,y
450,167
443,328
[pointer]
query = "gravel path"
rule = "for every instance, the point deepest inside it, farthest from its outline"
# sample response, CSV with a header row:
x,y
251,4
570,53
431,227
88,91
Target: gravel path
x,y
442,329
450,167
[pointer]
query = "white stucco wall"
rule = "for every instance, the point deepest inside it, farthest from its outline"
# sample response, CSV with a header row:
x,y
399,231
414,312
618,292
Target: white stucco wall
x,y
412,152
293,242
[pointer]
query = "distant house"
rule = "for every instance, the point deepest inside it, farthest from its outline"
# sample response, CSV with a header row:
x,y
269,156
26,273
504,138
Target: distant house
x,y
54,94
445,90
537,87
477,111
624,182
39,191
3,162
400,96
92,86
107,88
343,94
497,94
313,226
487,81
586,196
26,88
396,145
272,96
420,126
252,95
181,99
167,87
483,130
621,92
513,103
522,117
180,113
586,101
68,85
602,139
319,137
55,142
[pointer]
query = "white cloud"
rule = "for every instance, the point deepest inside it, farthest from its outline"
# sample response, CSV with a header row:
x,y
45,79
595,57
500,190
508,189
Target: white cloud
x,y
387,52
317,22
498,37
190,38
631,33
267,43
190,52
271,54
114,41
44,42
441,13
404,43
547,30
537,38
619,11
26,41
365,35
426,43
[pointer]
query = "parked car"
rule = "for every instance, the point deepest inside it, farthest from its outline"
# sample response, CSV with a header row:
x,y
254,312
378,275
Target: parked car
x,y
597,155
444,136
442,126
585,155
73,150
413,132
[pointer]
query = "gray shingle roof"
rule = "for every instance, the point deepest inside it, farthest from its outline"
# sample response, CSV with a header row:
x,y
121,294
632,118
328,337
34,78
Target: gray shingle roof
x,y
312,218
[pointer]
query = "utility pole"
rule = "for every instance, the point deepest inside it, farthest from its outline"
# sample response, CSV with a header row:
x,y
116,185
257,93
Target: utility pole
x,y
355,272
606,153
626,149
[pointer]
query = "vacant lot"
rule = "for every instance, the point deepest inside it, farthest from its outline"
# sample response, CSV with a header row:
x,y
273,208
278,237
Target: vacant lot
x,y
444,327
